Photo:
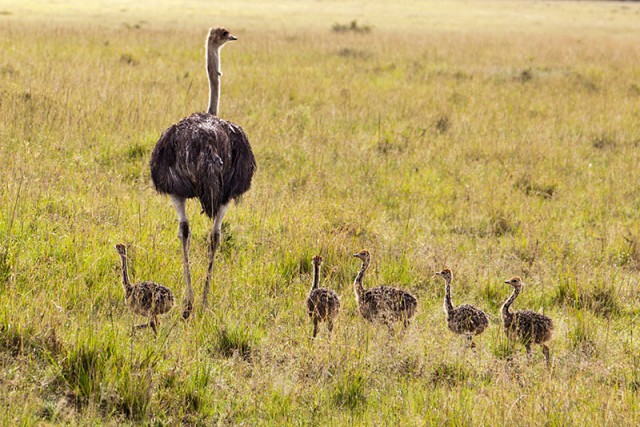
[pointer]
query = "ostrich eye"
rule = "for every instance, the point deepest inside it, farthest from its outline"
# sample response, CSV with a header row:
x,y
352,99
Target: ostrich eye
x,y
225,33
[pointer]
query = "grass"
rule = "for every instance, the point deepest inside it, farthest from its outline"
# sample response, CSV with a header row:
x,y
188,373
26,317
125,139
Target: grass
x,y
493,138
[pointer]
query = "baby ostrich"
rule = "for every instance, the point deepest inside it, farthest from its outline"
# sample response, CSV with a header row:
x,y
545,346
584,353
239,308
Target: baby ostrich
x,y
383,303
526,326
463,320
145,298
322,304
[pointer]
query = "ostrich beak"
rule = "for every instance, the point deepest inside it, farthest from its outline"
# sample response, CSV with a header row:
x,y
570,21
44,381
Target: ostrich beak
x,y
507,282
232,37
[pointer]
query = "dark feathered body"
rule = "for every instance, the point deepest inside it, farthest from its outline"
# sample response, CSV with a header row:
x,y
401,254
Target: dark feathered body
x,y
149,299
384,304
387,304
527,327
467,319
206,157
323,304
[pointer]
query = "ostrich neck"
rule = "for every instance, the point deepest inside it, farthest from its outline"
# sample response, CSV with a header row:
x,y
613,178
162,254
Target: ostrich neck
x,y
213,71
126,284
316,276
448,305
508,302
357,284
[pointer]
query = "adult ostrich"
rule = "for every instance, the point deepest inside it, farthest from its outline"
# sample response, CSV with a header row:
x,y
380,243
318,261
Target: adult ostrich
x,y
205,157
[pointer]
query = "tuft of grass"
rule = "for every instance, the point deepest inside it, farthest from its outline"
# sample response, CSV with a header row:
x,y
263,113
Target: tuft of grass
x,y
449,374
14,337
349,52
84,368
629,253
582,334
603,141
134,393
195,394
530,188
352,27
442,124
525,75
5,268
135,152
127,58
500,224
234,341
502,347
350,391
601,299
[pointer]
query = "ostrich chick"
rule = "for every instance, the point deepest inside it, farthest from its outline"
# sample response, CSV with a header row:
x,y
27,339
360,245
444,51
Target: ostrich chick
x,y
463,320
527,327
383,303
322,304
145,298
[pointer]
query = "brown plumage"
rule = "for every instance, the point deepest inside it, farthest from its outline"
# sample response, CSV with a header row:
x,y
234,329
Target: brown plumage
x,y
203,157
145,298
527,327
384,303
322,304
465,319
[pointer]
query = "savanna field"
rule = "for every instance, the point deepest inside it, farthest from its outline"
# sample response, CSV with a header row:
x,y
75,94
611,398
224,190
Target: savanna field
x,y
492,138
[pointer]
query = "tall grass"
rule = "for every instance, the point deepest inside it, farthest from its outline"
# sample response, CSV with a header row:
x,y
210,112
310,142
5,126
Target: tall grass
x,y
493,149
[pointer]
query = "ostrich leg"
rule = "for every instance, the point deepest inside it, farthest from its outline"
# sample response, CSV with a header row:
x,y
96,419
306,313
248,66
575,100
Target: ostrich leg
x,y
214,243
184,234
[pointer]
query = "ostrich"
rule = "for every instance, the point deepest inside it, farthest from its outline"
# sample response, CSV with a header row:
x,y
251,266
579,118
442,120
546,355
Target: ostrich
x,y
322,304
383,303
526,326
206,157
145,298
463,320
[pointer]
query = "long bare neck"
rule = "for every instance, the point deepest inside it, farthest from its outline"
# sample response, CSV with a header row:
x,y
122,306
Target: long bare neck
x,y
126,284
316,276
505,307
213,71
357,284
448,305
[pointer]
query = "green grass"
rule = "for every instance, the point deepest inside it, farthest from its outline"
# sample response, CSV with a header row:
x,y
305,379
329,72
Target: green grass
x,y
493,138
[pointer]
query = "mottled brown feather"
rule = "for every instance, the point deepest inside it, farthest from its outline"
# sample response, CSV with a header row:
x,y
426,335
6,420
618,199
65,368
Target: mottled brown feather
x,y
148,299
527,327
323,305
384,304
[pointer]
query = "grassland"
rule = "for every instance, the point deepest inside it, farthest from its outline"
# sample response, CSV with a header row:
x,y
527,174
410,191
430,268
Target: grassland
x,y
493,138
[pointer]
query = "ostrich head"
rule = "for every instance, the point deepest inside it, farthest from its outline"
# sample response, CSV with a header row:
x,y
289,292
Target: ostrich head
x,y
365,256
515,281
446,274
218,37
316,260
122,249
